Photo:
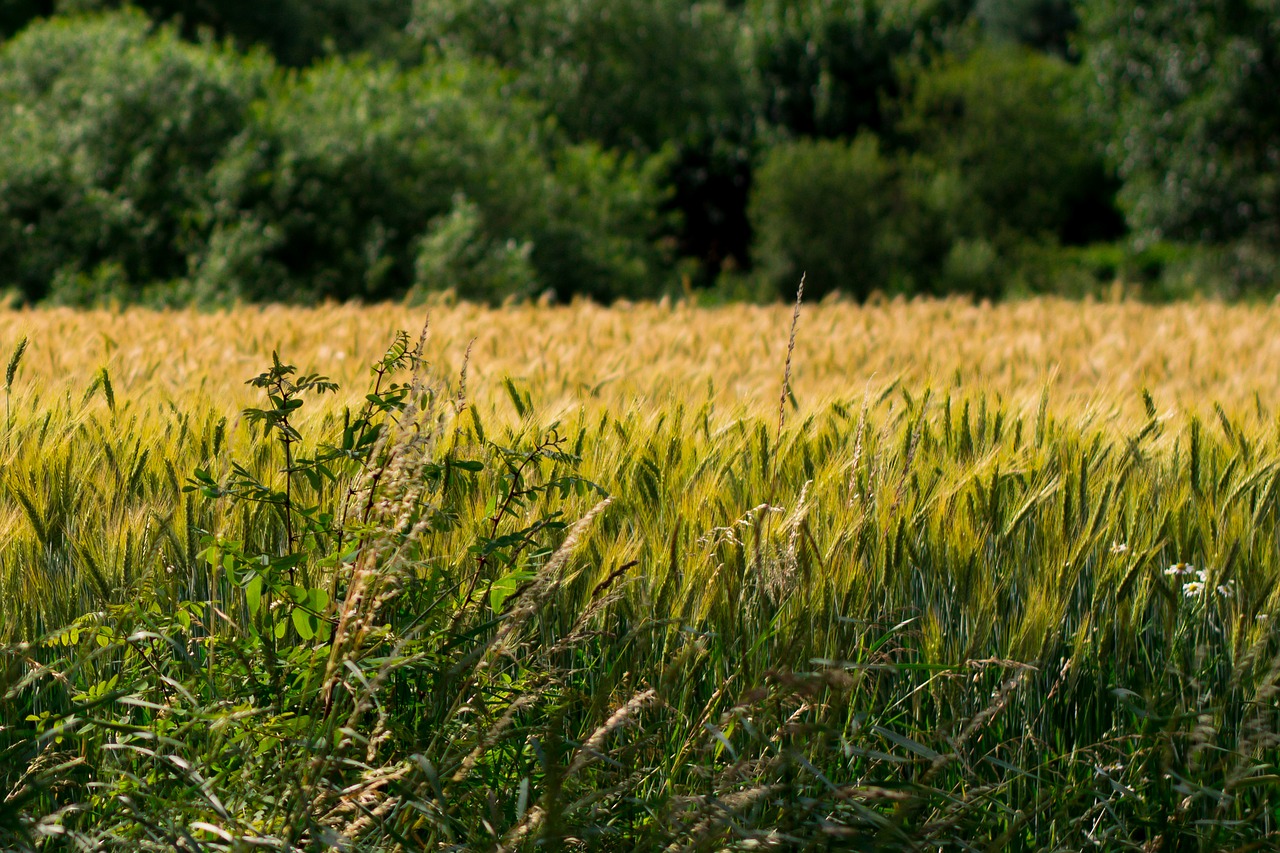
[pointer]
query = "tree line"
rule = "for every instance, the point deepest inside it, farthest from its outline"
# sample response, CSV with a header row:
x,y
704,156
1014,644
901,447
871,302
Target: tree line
x,y
197,151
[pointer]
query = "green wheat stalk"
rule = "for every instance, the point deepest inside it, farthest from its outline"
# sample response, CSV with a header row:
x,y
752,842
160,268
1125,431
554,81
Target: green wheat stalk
x,y
9,373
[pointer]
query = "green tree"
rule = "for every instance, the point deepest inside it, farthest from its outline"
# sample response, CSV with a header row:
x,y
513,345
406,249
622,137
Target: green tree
x,y
630,74
641,76
108,131
827,67
1191,89
130,158
361,180
819,208
296,32
995,156
1011,124
1045,25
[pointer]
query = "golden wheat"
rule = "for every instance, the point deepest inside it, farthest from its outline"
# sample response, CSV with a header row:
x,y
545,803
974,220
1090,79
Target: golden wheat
x,y
1090,355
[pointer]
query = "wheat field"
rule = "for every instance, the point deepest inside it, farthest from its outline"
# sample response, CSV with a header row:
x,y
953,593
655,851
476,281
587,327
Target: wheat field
x,y
1092,355
973,573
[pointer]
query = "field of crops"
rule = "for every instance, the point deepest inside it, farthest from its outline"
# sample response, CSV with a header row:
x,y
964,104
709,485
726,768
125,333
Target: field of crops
x,y
972,577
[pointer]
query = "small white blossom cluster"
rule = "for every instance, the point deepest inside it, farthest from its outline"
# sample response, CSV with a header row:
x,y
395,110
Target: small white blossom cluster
x,y
1195,588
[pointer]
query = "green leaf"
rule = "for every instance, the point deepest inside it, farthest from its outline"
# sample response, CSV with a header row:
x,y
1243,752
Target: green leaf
x,y
318,600
253,593
907,743
304,623
313,477
504,587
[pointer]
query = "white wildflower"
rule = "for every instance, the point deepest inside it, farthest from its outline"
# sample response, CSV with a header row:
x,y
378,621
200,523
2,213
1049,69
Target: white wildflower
x,y
1192,589
1119,547
1226,590
1180,569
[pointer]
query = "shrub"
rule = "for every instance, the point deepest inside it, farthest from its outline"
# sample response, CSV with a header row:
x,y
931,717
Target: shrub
x,y
818,208
860,221
856,220
1010,124
641,76
827,67
348,178
296,32
1188,92
108,131
589,236
456,250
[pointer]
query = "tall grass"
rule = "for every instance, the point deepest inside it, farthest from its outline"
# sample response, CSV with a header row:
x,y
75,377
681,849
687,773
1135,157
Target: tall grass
x,y
919,613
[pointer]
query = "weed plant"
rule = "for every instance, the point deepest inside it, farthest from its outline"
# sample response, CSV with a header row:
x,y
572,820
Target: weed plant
x,y
914,619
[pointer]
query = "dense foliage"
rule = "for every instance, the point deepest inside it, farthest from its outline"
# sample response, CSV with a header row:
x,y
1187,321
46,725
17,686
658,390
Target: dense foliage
x,y
108,142
1192,92
360,180
217,151
136,164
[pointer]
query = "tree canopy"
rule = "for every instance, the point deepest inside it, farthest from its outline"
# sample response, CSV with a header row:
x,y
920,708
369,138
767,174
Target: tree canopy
x,y
218,150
